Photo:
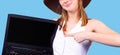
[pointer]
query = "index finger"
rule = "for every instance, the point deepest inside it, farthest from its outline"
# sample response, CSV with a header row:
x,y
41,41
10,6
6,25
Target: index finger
x,y
70,35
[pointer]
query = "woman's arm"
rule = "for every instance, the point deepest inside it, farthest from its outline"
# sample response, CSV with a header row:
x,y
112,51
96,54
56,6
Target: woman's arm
x,y
103,34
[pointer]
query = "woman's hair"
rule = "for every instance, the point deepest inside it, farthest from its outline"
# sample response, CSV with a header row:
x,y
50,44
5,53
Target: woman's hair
x,y
81,14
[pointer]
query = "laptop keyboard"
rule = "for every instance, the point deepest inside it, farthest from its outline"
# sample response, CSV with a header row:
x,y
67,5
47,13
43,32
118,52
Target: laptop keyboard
x,y
27,51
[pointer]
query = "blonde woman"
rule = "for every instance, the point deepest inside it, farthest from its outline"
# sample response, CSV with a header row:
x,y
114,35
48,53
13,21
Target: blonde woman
x,y
76,31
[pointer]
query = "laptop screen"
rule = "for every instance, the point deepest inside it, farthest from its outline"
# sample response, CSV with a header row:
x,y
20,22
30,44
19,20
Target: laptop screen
x,y
30,30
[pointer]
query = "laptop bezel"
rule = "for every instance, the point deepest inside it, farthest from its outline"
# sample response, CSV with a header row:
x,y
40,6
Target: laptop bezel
x,y
29,18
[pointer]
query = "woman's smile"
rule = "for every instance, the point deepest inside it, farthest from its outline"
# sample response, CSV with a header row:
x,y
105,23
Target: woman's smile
x,y
67,4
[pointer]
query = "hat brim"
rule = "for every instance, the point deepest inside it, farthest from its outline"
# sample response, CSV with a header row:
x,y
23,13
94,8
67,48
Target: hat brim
x,y
55,6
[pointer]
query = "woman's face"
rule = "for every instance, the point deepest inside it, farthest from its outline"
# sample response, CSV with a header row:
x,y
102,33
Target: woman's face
x,y
69,5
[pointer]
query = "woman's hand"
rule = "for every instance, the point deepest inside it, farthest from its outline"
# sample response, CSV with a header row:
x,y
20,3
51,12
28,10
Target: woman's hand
x,y
80,36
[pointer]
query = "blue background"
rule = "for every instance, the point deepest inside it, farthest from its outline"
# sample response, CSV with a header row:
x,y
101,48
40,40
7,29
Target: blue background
x,y
107,11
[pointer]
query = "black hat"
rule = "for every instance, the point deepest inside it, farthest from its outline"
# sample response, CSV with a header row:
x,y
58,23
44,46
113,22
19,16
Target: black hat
x,y
55,6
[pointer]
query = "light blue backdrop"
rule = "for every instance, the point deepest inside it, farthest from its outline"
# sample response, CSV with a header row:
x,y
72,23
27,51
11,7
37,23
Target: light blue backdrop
x,y
107,11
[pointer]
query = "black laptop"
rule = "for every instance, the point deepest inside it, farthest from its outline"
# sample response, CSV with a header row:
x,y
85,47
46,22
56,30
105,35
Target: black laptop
x,y
27,35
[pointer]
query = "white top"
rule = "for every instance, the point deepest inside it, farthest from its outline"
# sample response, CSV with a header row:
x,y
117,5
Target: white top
x,y
67,45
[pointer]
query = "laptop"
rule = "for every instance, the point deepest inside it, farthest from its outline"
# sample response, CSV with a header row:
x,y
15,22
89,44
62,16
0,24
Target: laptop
x,y
27,35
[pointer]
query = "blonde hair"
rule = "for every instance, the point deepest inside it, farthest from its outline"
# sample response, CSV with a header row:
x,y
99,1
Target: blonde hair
x,y
81,14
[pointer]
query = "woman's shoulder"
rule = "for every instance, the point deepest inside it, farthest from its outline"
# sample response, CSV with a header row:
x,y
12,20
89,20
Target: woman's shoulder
x,y
92,20
55,19
95,22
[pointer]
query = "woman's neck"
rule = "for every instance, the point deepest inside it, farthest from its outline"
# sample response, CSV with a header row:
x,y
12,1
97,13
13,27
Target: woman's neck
x,y
72,17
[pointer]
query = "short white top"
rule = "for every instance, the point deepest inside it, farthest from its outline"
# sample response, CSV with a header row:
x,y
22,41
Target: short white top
x,y
67,45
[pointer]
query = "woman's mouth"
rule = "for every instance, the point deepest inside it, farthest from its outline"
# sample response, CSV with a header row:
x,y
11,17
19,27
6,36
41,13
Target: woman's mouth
x,y
67,4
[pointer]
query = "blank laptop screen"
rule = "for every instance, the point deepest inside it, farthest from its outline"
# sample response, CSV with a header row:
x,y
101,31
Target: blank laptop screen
x,y
30,31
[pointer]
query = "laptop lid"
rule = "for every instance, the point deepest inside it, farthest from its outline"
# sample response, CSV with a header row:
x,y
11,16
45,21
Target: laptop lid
x,y
28,30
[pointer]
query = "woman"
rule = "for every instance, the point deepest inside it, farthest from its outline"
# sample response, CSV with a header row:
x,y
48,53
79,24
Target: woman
x,y
76,31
